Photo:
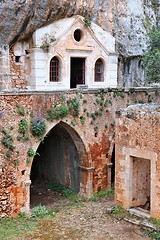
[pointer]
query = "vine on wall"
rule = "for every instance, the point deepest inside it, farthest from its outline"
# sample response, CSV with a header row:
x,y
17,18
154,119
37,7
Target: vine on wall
x,y
76,107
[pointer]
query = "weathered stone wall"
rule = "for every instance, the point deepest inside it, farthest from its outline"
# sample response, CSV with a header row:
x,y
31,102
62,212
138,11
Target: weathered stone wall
x,y
18,72
94,125
137,176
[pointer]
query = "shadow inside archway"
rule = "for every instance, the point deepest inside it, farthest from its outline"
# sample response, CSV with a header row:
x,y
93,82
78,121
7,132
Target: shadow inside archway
x,y
57,161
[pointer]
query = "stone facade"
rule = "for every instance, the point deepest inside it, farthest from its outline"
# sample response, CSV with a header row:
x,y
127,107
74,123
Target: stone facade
x,y
77,48
137,158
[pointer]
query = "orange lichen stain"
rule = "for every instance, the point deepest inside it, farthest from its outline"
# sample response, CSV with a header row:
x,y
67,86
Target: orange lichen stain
x,y
18,195
98,153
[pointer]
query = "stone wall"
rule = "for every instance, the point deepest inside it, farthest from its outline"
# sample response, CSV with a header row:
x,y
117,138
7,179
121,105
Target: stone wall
x,y
92,131
137,157
19,75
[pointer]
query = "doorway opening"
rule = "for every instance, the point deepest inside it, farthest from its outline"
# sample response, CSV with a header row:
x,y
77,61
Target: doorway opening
x,y
77,72
113,166
56,163
141,183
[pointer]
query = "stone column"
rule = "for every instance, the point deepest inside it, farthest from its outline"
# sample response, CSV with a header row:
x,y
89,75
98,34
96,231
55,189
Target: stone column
x,y
86,180
27,184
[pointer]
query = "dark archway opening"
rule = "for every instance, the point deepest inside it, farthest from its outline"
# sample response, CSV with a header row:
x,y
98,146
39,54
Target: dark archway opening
x,y
113,166
77,72
56,162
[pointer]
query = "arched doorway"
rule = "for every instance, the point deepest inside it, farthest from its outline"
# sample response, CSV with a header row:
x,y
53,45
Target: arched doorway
x,y
59,158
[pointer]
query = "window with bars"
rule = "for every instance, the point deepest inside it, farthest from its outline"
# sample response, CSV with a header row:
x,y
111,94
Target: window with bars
x,y
99,71
54,70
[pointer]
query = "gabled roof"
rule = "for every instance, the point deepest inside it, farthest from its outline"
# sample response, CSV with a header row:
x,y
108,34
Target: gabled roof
x,y
59,28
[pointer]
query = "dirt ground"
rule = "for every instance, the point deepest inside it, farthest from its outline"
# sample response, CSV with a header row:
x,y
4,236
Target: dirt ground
x,y
86,220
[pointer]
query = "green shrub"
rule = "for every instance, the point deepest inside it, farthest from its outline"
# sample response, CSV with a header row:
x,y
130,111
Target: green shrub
x,y
73,123
118,210
151,57
67,192
57,113
74,107
16,162
96,128
23,126
26,137
9,154
28,160
38,127
87,22
62,111
19,138
30,152
20,110
93,115
155,235
39,211
7,139
102,194
82,119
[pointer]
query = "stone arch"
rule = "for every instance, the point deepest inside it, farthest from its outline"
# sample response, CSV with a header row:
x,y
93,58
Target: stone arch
x,y
85,172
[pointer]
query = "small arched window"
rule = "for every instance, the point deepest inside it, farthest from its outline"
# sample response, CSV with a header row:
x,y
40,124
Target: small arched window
x,y
99,71
54,70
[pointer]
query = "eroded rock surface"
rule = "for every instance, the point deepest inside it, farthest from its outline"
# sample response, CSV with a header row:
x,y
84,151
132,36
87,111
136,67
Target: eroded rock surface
x,y
127,20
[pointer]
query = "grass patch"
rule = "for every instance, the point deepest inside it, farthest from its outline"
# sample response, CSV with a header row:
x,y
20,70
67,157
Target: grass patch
x,y
101,194
155,235
11,228
119,212
67,192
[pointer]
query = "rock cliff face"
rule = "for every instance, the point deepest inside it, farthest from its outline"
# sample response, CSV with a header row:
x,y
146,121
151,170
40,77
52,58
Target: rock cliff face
x,y
127,20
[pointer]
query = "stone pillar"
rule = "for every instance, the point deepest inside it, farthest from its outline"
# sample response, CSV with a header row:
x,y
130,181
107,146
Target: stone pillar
x,y
5,80
38,68
109,167
86,180
26,185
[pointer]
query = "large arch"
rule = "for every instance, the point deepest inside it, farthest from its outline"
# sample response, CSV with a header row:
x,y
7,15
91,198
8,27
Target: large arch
x,y
62,158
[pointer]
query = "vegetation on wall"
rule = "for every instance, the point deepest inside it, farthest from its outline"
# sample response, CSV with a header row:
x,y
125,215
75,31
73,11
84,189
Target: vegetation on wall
x,y
87,22
76,110
47,40
74,107
20,110
23,126
151,57
56,113
8,141
38,127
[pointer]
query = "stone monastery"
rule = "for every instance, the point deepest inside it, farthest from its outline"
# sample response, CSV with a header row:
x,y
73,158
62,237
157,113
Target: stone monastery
x,y
64,55
64,120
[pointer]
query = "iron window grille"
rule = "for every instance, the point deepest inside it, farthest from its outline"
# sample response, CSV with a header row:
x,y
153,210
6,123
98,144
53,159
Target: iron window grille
x,y
54,70
99,71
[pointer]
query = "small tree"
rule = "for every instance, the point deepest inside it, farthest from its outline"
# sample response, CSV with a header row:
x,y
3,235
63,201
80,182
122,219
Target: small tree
x,y
151,58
